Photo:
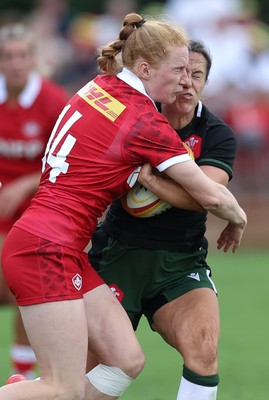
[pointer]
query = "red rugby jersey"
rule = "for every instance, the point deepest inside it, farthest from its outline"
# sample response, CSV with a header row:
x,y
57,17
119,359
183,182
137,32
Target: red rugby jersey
x,y
108,129
25,127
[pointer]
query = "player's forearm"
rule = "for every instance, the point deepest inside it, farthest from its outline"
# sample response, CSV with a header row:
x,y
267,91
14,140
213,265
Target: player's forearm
x,y
171,192
13,194
28,184
214,197
227,207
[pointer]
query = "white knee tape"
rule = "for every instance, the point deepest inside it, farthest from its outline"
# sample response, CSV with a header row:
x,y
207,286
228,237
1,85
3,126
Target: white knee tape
x,y
109,380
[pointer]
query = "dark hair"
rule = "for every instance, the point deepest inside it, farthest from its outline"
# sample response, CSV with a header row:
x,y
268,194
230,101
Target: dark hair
x,y
198,47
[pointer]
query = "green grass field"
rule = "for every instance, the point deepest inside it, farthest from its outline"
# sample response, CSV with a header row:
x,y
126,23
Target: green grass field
x,y
242,281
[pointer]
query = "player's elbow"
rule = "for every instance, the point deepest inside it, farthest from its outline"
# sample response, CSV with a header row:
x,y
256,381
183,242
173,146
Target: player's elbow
x,y
212,203
217,198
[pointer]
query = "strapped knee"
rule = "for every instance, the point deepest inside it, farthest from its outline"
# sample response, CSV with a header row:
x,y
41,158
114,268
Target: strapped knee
x,y
111,381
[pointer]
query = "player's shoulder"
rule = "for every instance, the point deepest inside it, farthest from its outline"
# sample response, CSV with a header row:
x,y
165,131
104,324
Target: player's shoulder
x,y
53,89
212,118
215,122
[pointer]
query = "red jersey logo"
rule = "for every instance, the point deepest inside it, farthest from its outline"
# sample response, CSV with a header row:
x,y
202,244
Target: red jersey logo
x,y
195,143
117,292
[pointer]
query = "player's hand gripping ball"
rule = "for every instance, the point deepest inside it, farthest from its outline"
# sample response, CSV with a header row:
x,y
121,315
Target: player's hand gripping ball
x,y
141,202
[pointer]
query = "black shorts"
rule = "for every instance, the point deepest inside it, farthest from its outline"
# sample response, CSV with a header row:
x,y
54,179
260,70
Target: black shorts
x,y
144,280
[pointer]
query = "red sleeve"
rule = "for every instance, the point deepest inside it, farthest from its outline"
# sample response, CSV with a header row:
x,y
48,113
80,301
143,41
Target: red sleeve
x,y
152,139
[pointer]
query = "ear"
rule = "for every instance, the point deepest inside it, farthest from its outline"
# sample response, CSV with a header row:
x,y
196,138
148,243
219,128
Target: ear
x,y
144,70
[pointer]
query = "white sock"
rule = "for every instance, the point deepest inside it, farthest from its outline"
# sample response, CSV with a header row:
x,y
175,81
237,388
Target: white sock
x,y
190,391
23,360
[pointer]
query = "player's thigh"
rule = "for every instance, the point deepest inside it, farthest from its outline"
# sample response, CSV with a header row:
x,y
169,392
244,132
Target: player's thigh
x,y
125,269
57,332
189,319
111,336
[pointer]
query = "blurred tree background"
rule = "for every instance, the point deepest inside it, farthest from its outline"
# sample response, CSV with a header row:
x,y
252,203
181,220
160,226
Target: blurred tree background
x,y
96,6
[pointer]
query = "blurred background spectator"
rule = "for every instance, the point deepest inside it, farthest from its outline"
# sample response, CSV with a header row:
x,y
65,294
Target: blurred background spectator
x,y
49,21
29,108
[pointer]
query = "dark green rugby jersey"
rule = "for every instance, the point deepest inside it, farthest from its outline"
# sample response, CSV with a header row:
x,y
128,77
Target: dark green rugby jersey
x,y
213,143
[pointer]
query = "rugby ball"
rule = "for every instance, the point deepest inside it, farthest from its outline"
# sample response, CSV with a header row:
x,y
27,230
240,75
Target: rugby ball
x,y
141,202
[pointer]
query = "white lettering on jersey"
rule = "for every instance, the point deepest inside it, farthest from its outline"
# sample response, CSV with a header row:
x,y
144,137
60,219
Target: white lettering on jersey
x,y
20,149
58,163
132,178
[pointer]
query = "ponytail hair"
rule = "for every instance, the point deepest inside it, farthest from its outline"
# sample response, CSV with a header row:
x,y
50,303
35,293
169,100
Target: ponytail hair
x,y
140,38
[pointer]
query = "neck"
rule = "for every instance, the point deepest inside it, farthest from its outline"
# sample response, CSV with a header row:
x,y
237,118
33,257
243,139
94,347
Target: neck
x,y
13,93
177,120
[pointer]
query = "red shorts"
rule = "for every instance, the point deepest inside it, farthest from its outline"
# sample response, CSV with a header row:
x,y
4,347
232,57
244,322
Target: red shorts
x,y
40,271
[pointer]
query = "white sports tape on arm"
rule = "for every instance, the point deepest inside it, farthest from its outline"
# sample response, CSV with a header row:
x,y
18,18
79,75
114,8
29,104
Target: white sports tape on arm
x,y
109,380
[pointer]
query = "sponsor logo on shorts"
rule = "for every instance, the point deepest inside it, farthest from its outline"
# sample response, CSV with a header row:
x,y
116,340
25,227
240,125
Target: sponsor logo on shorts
x,y
117,292
194,275
77,281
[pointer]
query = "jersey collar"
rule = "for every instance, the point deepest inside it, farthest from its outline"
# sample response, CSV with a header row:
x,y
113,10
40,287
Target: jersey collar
x,y
29,93
199,109
132,80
